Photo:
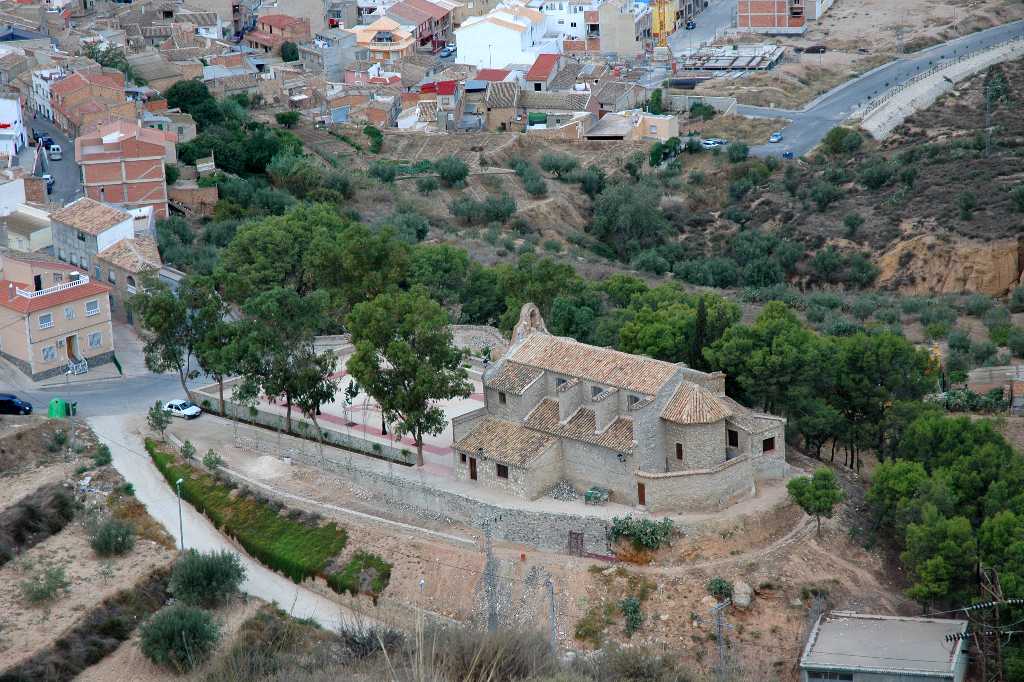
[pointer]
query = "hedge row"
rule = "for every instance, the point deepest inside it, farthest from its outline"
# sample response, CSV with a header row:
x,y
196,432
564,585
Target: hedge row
x,y
347,579
297,550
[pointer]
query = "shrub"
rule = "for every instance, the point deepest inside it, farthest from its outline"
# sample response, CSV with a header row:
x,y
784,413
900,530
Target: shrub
x,y
695,178
452,171
863,307
1017,198
158,419
179,637
1015,341
738,151
650,261
841,140
977,305
967,202
365,573
490,210
206,580
288,119
719,588
643,533
959,341
44,586
1017,300
552,246
559,165
112,538
289,51
533,181
426,185
630,607
212,461
852,222
58,439
824,194
171,173
705,112
101,457
296,550
877,174
384,171
376,138
983,352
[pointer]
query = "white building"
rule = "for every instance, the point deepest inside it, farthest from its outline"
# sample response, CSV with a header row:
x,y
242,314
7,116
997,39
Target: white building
x,y
566,16
12,127
42,79
509,34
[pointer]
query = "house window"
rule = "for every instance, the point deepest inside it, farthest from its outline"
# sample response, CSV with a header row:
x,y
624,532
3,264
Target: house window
x,y
652,129
559,381
462,457
60,255
573,24
596,391
632,400
536,87
181,131
679,451
81,235
130,281
501,470
92,308
69,313
57,278
734,439
768,444
99,273
46,320
501,398
111,277
49,353
95,340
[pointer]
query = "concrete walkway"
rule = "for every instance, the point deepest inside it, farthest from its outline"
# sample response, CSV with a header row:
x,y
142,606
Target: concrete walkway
x,y
132,461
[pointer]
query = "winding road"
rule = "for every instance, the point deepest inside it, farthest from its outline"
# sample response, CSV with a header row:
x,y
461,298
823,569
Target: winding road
x,y
809,125
130,459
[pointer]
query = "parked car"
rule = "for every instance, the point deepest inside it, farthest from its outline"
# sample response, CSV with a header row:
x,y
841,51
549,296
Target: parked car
x,y
775,137
56,154
787,155
690,25
185,409
450,45
12,404
446,52
46,141
712,142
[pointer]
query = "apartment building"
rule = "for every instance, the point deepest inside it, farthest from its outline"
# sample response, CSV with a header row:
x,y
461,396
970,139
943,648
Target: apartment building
x,y
13,137
53,318
41,81
84,100
330,53
123,163
123,265
511,33
385,40
85,227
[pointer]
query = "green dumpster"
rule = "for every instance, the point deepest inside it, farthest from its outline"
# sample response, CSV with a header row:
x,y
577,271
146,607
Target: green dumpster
x,y
58,409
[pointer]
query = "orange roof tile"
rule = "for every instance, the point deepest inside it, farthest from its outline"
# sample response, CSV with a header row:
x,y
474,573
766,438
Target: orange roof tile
x,y
90,216
505,442
25,305
693,404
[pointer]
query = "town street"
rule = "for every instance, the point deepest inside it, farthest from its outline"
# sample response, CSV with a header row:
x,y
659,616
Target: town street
x,y
67,179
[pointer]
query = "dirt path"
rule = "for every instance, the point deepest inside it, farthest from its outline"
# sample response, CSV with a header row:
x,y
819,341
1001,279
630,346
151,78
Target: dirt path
x,y
132,461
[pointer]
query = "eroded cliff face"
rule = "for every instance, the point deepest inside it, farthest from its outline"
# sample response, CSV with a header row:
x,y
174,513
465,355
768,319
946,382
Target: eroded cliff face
x,y
927,264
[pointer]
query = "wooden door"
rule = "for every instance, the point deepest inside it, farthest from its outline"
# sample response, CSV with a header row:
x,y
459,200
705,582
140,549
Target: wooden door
x,y
472,468
576,543
641,494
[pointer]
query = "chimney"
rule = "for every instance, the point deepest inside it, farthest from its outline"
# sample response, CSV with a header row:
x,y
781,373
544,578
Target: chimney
x,y
10,291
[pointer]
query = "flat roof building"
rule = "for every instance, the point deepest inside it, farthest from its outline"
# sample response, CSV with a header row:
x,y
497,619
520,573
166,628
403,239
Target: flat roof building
x,y
860,647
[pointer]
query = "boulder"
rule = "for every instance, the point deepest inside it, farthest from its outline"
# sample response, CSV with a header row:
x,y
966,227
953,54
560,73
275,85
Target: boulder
x,y
742,594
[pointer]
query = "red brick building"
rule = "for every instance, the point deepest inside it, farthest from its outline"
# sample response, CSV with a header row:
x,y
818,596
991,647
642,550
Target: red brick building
x,y
772,16
273,30
123,163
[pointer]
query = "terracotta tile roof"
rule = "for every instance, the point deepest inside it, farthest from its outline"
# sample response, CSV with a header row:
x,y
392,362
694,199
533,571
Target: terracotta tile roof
x,y
600,365
505,442
503,95
90,216
264,38
542,67
693,404
492,75
436,12
513,378
30,305
747,419
279,20
582,426
133,255
554,101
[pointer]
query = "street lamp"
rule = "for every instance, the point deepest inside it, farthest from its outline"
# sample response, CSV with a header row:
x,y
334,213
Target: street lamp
x,y
181,525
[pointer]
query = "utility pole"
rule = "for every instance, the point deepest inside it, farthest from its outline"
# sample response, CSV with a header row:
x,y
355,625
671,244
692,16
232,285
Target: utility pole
x,y
720,626
552,616
990,640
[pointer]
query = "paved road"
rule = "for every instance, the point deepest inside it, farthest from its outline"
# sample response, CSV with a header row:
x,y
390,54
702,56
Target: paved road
x,y
808,126
67,178
131,460
717,16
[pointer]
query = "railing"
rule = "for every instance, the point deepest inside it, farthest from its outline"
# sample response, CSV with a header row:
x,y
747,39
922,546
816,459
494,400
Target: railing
x,y
942,66
79,367
83,279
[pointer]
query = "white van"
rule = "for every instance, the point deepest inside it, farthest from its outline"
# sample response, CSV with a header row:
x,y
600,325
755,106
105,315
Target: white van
x,y
55,152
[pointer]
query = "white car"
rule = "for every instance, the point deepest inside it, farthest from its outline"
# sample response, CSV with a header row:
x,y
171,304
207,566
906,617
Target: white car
x,y
182,408
775,138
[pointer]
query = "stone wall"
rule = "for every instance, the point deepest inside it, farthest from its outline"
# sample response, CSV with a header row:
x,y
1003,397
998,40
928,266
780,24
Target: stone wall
x,y
585,465
702,490
544,530
703,444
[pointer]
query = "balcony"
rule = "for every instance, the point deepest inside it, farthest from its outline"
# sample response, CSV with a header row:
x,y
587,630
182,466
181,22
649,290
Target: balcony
x,y
82,279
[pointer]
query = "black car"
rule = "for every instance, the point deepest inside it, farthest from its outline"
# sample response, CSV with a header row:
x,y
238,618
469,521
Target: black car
x,y
46,141
690,25
11,404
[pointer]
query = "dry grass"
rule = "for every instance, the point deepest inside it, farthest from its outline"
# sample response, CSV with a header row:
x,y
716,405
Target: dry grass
x,y
126,508
737,128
